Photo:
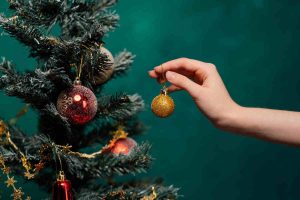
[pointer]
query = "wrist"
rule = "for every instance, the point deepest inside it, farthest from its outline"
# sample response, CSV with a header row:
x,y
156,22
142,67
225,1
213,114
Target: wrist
x,y
230,118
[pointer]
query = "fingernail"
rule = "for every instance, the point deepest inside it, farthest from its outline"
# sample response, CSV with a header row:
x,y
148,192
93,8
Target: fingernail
x,y
170,75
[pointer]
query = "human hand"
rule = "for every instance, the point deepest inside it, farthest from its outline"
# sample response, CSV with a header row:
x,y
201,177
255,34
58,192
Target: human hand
x,y
204,84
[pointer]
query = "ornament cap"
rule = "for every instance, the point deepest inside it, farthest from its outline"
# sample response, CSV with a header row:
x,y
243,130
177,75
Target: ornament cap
x,y
61,176
164,90
62,188
77,81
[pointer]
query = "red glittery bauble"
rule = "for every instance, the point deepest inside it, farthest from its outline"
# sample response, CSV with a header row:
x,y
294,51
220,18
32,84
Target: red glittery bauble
x,y
123,146
78,104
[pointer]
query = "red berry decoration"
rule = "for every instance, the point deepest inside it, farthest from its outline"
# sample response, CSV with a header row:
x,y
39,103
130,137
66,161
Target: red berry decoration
x,y
78,104
123,146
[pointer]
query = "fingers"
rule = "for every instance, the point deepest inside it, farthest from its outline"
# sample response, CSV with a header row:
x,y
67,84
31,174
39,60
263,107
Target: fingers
x,y
152,74
173,88
183,64
160,79
183,82
179,73
193,69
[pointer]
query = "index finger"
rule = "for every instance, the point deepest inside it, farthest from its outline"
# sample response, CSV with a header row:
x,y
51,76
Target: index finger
x,y
185,64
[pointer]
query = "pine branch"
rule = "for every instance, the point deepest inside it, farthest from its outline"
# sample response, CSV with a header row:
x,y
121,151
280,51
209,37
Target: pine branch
x,y
43,46
103,4
28,35
122,63
134,192
32,87
83,25
119,107
13,157
38,12
106,164
51,122
91,6
109,20
57,75
13,4
69,53
6,67
8,155
58,128
103,165
46,13
88,28
101,131
98,134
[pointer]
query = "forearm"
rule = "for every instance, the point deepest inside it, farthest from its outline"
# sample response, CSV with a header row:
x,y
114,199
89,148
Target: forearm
x,y
203,82
273,125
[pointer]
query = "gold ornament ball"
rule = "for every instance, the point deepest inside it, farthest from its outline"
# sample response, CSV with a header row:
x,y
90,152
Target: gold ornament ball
x,y
104,75
162,105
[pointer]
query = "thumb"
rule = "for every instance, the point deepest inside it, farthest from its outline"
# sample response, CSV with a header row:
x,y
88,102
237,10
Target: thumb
x,y
183,82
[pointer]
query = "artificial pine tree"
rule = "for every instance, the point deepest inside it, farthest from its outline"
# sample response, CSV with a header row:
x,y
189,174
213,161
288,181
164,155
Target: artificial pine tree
x,y
71,68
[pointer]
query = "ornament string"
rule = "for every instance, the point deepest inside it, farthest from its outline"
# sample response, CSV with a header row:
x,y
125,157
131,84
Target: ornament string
x,y
163,81
79,70
60,163
60,173
57,156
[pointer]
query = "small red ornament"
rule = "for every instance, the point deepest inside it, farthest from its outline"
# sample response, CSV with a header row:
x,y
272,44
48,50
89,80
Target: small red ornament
x,y
123,146
78,104
62,188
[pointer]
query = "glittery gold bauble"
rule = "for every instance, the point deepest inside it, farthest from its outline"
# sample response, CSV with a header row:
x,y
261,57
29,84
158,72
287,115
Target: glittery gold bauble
x,y
162,105
105,74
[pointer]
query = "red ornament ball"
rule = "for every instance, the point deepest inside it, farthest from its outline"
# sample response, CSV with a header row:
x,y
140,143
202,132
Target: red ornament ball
x,y
123,146
78,104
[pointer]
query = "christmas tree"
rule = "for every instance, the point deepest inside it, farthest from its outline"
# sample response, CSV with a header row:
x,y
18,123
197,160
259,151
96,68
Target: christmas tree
x,y
66,90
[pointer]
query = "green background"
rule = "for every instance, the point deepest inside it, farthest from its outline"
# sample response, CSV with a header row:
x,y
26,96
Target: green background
x,y
255,46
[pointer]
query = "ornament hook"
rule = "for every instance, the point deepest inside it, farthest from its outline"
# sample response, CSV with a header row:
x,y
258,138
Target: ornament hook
x,y
61,176
164,90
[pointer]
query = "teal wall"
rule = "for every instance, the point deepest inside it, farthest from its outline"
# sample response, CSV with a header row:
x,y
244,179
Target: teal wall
x,y
255,46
